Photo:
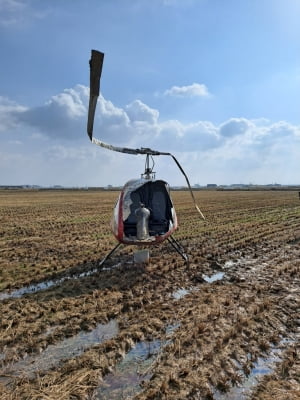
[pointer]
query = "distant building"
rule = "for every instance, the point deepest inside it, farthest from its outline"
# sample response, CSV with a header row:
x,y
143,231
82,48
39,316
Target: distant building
x,y
211,185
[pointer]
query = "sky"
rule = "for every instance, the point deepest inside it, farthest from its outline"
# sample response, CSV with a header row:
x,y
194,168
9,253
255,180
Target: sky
x,y
214,82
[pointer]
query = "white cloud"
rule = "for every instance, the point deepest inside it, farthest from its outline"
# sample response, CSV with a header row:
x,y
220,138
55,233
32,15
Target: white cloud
x,y
11,6
64,116
173,135
238,150
16,12
62,152
194,90
235,126
9,113
138,111
282,129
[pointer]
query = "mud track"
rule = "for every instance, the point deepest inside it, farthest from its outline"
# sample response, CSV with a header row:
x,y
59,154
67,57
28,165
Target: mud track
x,y
164,331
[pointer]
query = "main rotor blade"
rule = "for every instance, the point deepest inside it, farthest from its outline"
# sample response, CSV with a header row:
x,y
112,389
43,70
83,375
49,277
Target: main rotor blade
x,y
142,150
189,186
96,63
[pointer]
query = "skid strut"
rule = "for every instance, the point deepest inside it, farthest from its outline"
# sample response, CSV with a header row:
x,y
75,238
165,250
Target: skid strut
x,y
177,246
173,242
109,254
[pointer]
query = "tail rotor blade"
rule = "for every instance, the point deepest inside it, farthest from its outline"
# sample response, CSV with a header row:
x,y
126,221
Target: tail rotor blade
x,y
96,63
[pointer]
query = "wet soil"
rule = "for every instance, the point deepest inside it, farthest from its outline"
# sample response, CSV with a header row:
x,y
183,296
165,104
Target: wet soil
x,y
196,331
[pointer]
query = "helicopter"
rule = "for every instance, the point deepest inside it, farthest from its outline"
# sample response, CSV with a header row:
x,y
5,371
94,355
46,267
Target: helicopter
x,y
144,214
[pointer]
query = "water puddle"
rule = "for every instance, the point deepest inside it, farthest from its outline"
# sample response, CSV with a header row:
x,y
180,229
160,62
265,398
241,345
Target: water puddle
x,y
229,264
44,285
180,293
55,282
68,348
213,278
113,266
29,289
262,367
126,381
244,261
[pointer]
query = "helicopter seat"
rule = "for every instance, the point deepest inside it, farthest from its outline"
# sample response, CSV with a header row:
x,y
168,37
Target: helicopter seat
x,y
131,221
159,218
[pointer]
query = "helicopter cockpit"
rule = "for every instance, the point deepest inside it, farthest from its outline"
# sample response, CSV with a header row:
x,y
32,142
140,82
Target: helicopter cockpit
x,y
160,218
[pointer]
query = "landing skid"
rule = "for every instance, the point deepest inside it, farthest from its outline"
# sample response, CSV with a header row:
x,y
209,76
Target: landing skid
x,y
173,242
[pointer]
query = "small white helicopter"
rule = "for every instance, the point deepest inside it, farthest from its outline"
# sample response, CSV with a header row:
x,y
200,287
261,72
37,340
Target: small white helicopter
x,y
144,214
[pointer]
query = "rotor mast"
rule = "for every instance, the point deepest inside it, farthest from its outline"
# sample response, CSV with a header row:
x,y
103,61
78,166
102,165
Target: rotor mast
x,y
149,173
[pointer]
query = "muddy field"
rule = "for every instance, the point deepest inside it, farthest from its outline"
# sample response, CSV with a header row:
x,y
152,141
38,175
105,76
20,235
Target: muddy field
x,y
223,327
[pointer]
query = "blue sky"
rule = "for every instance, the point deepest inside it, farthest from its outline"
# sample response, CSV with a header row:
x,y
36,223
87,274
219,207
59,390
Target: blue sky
x,y
215,82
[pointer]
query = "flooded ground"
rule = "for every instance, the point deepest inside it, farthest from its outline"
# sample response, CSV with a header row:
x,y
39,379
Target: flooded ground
x,y
129,375
261,368
134,370
224,327
54,354
43,285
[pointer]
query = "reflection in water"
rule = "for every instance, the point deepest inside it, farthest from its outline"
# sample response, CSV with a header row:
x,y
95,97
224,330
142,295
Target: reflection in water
x,y
178,294
130,372
230,264
68,348
43,285
126,380
215,277
53,282
263,366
